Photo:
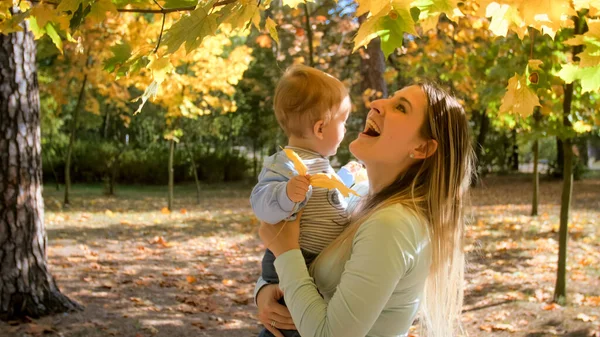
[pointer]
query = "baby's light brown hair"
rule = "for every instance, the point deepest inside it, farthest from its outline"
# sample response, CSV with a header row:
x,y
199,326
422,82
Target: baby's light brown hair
x,y
305,95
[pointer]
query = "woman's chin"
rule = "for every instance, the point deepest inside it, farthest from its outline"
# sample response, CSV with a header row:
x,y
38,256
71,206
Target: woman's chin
x,y
355,148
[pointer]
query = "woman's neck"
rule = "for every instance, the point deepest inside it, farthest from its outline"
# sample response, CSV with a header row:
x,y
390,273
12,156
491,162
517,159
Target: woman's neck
x,y
381,176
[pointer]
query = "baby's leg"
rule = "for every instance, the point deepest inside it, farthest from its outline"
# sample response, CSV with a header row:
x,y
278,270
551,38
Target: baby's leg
x,y
268,268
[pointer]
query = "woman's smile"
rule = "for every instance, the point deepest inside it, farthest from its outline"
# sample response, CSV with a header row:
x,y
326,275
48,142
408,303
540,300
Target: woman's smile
x,y
371,128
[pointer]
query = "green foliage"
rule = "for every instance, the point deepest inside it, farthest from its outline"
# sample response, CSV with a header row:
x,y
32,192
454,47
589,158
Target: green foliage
x,y
144,166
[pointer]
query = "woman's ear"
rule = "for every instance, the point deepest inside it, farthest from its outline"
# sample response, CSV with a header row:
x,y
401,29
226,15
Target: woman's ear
x,y
318,129
425,150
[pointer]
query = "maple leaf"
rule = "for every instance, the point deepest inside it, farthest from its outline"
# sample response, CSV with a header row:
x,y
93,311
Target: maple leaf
x,y
99,9
271,27
389,24
241,15
192,29
121,53
519,98
370,6
589,76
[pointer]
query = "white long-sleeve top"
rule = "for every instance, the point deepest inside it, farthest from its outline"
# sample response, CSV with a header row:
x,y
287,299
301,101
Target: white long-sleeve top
x,y
375,293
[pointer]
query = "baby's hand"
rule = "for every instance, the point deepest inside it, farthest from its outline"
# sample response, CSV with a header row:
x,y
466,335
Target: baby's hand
x,y
353,167
297,187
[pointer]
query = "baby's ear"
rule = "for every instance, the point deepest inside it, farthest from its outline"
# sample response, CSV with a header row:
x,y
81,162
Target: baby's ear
x,y
318,129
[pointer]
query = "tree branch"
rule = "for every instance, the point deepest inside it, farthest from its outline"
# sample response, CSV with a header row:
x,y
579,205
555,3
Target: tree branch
x,y
154,11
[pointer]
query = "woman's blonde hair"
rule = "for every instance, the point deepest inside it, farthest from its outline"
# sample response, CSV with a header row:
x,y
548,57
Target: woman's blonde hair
x,y
305,95
435,188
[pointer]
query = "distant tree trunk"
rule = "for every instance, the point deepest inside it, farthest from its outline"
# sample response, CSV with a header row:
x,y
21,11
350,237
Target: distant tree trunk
x,y
484,127
106,122
72,140
26,286
195,170
254,159
560,290
560,158
536,178
171,174
372,66
113,169
536,175
309,37
515,151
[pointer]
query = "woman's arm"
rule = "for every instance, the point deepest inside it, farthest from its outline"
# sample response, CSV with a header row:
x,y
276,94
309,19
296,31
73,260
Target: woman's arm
x,y
384,249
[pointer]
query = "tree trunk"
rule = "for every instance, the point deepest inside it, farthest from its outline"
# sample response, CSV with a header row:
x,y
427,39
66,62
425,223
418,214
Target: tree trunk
x,y
372,66
536,178
484,127
106,122
195,170
171,174
113,170
537,117
560,290
515,151
72,141
26,286
309,37
560,158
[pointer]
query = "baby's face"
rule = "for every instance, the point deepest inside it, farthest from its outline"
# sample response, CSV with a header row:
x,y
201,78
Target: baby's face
x,y
334,131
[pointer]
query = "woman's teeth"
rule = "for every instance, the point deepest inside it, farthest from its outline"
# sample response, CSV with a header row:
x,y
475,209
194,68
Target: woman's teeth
x,y
371,129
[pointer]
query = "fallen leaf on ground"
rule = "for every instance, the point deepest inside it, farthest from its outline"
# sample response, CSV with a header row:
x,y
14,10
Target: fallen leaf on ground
x,y
585,318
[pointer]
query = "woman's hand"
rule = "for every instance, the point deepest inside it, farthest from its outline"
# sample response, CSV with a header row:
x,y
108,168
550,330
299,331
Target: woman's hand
x,y
281,237
271,314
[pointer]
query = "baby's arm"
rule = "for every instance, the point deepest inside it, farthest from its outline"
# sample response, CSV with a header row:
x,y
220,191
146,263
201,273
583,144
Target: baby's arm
x,y
350,172
269,199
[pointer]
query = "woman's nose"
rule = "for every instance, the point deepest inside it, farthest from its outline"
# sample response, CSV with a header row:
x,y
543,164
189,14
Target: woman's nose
x,y
377,106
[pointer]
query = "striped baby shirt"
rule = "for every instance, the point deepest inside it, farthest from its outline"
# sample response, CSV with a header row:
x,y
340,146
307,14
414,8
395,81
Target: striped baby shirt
x,y
325,211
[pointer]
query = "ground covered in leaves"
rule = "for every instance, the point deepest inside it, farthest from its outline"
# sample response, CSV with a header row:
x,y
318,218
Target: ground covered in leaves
x,y
140,270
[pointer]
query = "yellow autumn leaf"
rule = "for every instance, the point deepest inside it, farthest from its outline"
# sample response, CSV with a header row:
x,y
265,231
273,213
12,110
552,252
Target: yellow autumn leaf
x,y
323,180
160,68
330,181
298,163
271,27
519,98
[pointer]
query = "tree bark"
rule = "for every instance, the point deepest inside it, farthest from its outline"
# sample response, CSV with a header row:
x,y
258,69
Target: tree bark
x,y
171,174
372,66
72,140
560,158
515,151
560,290
195,170
26,286
484,127
309,37
536,178
536,174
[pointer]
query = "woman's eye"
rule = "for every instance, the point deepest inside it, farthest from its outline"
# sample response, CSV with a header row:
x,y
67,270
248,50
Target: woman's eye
x,y
401,108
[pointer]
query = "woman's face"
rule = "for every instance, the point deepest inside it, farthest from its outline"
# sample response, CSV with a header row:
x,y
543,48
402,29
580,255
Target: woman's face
x,y
392,128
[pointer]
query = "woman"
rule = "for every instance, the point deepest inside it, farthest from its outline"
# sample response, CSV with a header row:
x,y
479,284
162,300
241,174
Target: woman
x,y
403,252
